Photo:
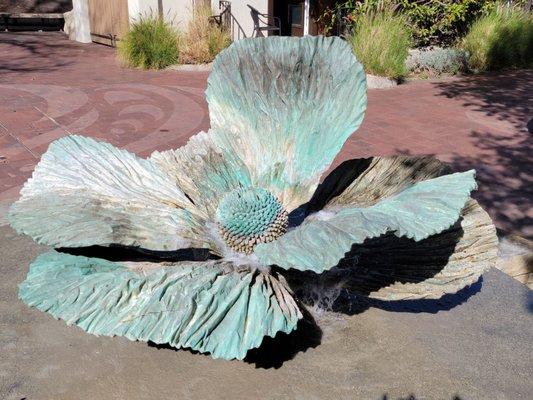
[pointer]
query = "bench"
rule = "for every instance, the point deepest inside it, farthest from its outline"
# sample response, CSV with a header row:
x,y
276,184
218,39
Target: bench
x,y
12,18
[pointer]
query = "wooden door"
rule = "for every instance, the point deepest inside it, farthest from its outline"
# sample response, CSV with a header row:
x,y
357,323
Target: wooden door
x,y
296,15
109,20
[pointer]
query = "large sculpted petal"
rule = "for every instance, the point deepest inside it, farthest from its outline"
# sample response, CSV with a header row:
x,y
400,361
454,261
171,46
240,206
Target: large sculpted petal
x,y
401,269
363,182
84,192
391,268
203,171
286,106
417,212
212,307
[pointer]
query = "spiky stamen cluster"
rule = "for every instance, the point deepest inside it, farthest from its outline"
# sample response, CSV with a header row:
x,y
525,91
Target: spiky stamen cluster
x,y
247,217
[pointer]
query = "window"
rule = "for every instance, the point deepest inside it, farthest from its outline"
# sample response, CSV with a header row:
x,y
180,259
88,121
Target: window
x,y
296,15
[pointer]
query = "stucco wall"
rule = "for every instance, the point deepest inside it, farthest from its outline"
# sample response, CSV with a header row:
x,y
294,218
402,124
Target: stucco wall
x,y
77,24
241,13
179,11
176,11
141,7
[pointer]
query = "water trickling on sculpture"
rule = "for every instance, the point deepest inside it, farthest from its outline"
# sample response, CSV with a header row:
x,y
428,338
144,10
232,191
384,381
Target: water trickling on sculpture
x,y
247,217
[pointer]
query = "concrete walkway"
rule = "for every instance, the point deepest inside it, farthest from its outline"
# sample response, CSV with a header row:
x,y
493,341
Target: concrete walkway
x,y
475,345
50,87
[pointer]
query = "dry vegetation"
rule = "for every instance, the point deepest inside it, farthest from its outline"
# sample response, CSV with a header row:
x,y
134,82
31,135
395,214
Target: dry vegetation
x,y
153,43
203,39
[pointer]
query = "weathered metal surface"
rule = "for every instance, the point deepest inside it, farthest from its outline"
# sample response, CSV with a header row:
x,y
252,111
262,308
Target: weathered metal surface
x,y
364,182
393,268
281,109
209,307
85,192
203,171
417,212
286,106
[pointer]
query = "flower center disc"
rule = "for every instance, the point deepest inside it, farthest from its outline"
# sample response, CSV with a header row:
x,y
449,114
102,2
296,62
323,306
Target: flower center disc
x,y
247,217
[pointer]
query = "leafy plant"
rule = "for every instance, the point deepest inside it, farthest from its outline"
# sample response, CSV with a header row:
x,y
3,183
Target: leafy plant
x,y
151,43
344,13
203,39
436,60
432,22
501,39
380,41
442,21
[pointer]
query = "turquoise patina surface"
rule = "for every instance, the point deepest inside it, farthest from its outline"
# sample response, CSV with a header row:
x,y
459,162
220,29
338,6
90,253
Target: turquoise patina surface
x,y
281,109
84,192
209,307
248,211
421,210
286,105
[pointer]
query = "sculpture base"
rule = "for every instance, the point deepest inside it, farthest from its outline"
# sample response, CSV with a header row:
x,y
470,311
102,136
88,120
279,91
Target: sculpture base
x,y
471,349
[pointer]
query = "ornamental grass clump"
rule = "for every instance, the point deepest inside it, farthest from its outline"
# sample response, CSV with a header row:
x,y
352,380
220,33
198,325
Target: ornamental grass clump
x,y
151,43
501,39
380,41
203,39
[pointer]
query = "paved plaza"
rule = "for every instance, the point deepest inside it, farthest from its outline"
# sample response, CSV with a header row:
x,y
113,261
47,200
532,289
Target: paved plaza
x,y
50,87
473,345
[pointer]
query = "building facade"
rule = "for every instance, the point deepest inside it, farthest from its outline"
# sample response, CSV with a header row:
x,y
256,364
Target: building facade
x,y
108,20
248,17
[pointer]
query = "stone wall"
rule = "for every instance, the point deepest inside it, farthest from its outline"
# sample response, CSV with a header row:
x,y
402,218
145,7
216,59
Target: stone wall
x,y
35,6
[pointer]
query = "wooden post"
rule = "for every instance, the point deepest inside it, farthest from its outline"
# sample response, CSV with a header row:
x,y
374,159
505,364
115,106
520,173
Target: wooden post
x,y
160,8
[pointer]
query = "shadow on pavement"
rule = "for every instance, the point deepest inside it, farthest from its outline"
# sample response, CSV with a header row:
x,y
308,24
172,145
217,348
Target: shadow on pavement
x,y
505,182
506,95
34,53
273,352
413,397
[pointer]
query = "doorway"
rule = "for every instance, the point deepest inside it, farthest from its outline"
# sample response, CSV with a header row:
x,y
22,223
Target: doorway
x,y
295,16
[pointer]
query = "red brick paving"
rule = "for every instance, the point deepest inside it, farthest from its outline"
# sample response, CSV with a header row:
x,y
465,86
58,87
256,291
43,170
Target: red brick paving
x,y
50,87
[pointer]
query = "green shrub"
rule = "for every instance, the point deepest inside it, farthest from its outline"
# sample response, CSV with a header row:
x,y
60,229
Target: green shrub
x,y
501,39
151,43
436,61
433,22
380,41
442,22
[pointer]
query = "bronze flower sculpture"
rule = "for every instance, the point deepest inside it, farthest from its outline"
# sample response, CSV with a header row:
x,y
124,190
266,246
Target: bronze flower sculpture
x,y
281,109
